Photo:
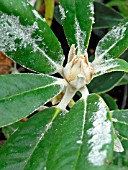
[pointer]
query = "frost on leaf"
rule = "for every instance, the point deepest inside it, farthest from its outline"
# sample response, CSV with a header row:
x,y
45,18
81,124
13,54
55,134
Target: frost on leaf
x,y
63,13
38,16
14,35
110,41
100,68
91,8
100,135
80,37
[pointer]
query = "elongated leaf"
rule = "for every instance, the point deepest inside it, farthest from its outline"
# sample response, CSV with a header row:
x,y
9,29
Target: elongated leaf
x,y
109,17
36,137
109,66
26,38
81,142
114,43
121,128
9,130
121,159
120,115
97,148
120,120
105,82
109,101
19,151
21,94
124,80
77,19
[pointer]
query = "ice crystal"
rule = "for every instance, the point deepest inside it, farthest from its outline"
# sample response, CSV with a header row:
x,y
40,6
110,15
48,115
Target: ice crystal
x,y
100,135
37,15
14,35
101,68
112,38
91,7
80,37
63,13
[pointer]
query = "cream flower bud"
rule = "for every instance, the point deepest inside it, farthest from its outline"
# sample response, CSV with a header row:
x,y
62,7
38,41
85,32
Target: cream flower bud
x,y
77,71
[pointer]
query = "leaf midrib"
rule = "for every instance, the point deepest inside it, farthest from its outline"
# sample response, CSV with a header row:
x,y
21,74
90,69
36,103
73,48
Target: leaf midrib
x,y
75,168
36,145
25,92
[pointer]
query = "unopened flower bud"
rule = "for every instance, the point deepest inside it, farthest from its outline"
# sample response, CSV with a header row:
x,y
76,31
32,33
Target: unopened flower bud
x,y
77,71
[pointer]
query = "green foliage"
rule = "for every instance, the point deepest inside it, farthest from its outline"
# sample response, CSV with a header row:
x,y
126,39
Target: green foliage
x,y
121,4
85,136
32,92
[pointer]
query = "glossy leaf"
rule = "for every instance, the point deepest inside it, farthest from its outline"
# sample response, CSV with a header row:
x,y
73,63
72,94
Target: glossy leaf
x,y
109,17
75,146
120,115
23,94
114,43
109,101
120,120
109,66
121,129
19,151
98,141
105,82
9,130
25,37
124,80
77,22
121,159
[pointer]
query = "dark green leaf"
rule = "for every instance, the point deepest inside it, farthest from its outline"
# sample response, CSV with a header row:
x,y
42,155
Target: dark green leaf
x,y
109,101
109,16
9,130
121,159
98,140
105,82
120,120
114,43
109,66
21,94
121,128
26,148
75,146
77,19
120,115
124,80
27,39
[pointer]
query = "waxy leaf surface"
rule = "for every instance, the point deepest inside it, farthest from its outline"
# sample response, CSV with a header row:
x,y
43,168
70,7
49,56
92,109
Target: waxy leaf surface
x,y
120,121
77,22
109,17
27,147
105,82
110,66
114,43
21,94
27,39
81,141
